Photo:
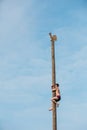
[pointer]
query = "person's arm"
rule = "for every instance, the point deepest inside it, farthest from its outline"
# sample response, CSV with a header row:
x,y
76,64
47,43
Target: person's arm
x,y
53,88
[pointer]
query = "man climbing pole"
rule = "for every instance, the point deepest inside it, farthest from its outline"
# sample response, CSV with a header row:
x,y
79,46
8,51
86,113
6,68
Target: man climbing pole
x,y
56,98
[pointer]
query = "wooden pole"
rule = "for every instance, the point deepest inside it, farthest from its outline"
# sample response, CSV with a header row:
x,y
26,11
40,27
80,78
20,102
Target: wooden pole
x,y
53,39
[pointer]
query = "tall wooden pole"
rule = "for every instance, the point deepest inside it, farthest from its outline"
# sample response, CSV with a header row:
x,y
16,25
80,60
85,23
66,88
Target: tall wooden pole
x,y
54,115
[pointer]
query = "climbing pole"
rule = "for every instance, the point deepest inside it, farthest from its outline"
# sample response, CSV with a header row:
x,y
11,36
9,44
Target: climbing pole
x,y
54,115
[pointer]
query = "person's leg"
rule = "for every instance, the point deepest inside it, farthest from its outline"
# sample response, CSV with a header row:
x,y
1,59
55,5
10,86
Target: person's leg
x,y
54,99
57,104
50,109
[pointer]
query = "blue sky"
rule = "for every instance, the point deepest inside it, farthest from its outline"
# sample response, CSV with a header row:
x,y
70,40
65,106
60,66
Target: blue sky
x,y
25,63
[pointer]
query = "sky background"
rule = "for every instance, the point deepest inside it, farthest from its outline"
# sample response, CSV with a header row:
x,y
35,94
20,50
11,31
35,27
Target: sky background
x,y
25,63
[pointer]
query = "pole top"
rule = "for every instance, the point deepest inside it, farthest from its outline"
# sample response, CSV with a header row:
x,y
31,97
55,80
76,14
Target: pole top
x,y
53,37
